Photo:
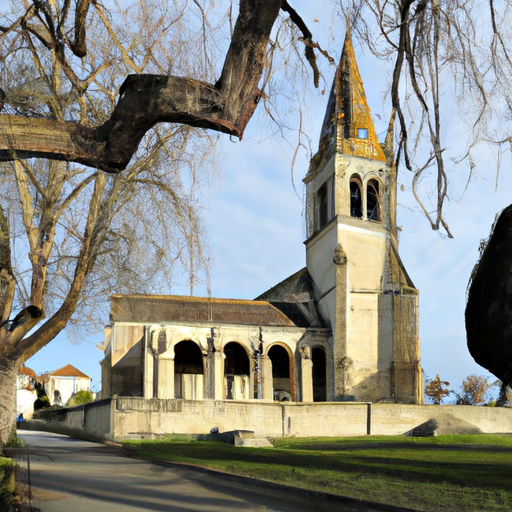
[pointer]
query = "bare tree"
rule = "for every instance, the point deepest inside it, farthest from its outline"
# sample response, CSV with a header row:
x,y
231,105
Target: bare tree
x,y
69,234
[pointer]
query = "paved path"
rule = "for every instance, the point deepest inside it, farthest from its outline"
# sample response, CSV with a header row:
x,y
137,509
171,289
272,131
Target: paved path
x,y
68,475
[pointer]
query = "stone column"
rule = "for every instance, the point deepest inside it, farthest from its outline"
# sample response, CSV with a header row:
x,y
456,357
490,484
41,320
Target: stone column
x,y
338,365
266,374
218,372
209,365
306,374
148,363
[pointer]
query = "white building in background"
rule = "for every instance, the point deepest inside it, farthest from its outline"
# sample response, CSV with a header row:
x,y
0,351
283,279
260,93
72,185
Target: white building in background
x,y
25,392
67,381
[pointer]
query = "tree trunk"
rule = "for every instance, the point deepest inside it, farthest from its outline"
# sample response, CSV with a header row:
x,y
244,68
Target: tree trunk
x,y
8,373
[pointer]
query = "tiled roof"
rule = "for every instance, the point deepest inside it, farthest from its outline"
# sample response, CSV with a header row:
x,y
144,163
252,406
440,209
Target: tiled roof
x,y
178,308
25,370
66,371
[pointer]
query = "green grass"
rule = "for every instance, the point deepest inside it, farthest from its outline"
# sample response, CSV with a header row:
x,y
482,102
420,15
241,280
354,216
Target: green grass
x,y
455,473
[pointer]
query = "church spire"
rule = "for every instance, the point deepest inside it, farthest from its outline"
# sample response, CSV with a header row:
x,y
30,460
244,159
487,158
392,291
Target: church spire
x,y
348,127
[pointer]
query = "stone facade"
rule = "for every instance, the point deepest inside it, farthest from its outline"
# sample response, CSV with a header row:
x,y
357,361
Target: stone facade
x,y
345,328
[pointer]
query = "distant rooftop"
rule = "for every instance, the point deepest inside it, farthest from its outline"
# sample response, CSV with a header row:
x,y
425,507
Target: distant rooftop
x,y
66,371
25,370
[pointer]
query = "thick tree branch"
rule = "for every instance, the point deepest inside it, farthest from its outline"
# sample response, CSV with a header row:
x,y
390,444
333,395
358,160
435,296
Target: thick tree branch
x,y
146,100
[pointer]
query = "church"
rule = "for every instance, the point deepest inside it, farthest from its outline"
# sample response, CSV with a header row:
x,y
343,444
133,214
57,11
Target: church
x,y
344,328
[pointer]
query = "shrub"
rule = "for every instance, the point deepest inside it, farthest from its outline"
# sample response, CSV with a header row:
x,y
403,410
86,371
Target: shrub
x,y
80,397
6,482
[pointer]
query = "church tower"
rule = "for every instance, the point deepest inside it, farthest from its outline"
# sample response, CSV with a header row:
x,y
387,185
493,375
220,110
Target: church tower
x,y
362,290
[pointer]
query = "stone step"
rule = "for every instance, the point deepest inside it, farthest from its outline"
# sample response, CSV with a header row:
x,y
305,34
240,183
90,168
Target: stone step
x,y
257,441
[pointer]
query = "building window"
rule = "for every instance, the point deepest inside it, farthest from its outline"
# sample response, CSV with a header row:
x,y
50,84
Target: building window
x,y
325,203
356,203
372,201
362,133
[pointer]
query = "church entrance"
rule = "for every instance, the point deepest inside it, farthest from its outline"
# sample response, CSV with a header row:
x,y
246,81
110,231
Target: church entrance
x,y
281,372
319,375
188,371
236,372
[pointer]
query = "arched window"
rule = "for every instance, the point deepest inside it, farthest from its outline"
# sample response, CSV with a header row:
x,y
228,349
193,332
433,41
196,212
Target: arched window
x,y
188,371
188,358
319,374
236,372
325,203
281,381
372,201
356,204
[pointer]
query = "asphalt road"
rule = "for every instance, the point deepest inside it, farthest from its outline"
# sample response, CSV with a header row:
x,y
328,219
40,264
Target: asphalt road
x,y
69,475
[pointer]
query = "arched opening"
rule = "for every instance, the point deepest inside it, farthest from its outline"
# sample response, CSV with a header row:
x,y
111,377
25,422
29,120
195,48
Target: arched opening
x,y
236,372
325,203
372,201
188,371
319,375
356,203
281,372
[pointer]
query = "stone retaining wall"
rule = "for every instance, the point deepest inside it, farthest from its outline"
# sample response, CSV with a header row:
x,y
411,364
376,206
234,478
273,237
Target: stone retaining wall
x,y
121,418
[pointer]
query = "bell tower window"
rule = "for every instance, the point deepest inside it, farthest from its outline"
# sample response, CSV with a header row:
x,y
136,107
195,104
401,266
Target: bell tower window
x,y
372,201
325,203
356,203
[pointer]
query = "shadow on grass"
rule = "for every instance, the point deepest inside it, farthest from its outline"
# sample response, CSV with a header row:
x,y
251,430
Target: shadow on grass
x,y
406,464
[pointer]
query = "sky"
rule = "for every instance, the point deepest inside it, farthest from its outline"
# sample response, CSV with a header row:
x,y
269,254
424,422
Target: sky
x,y
256,228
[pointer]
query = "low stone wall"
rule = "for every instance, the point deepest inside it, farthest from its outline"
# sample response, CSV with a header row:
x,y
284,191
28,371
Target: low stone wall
x,y
122,418
141,418
392,419
88,421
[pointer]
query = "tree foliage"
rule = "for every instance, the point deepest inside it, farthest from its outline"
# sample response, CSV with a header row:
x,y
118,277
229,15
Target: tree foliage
x,y
473,391
488,312
436,390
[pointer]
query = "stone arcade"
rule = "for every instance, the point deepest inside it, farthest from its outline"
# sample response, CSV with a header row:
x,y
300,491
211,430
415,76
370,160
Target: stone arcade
x,y
345,328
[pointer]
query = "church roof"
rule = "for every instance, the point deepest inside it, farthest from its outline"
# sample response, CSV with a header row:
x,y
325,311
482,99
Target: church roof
x,y
295,298
178,308
348,126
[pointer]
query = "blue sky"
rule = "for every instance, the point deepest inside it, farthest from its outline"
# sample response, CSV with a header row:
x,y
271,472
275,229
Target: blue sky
x,y
255,227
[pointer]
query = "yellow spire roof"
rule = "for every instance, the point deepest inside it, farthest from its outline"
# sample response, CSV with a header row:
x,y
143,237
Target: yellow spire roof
x,y
347,122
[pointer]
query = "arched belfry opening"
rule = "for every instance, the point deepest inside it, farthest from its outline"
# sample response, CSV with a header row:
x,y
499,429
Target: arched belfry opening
x,y
324,203
356,198
319,374
188,371
373,208
281,373
236,372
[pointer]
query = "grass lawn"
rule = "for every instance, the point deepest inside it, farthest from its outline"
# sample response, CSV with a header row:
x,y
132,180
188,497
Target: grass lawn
x,y
452,473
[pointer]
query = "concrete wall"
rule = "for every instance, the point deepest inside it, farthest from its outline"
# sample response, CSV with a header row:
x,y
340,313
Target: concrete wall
x,y
90,421
137,417
133,417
